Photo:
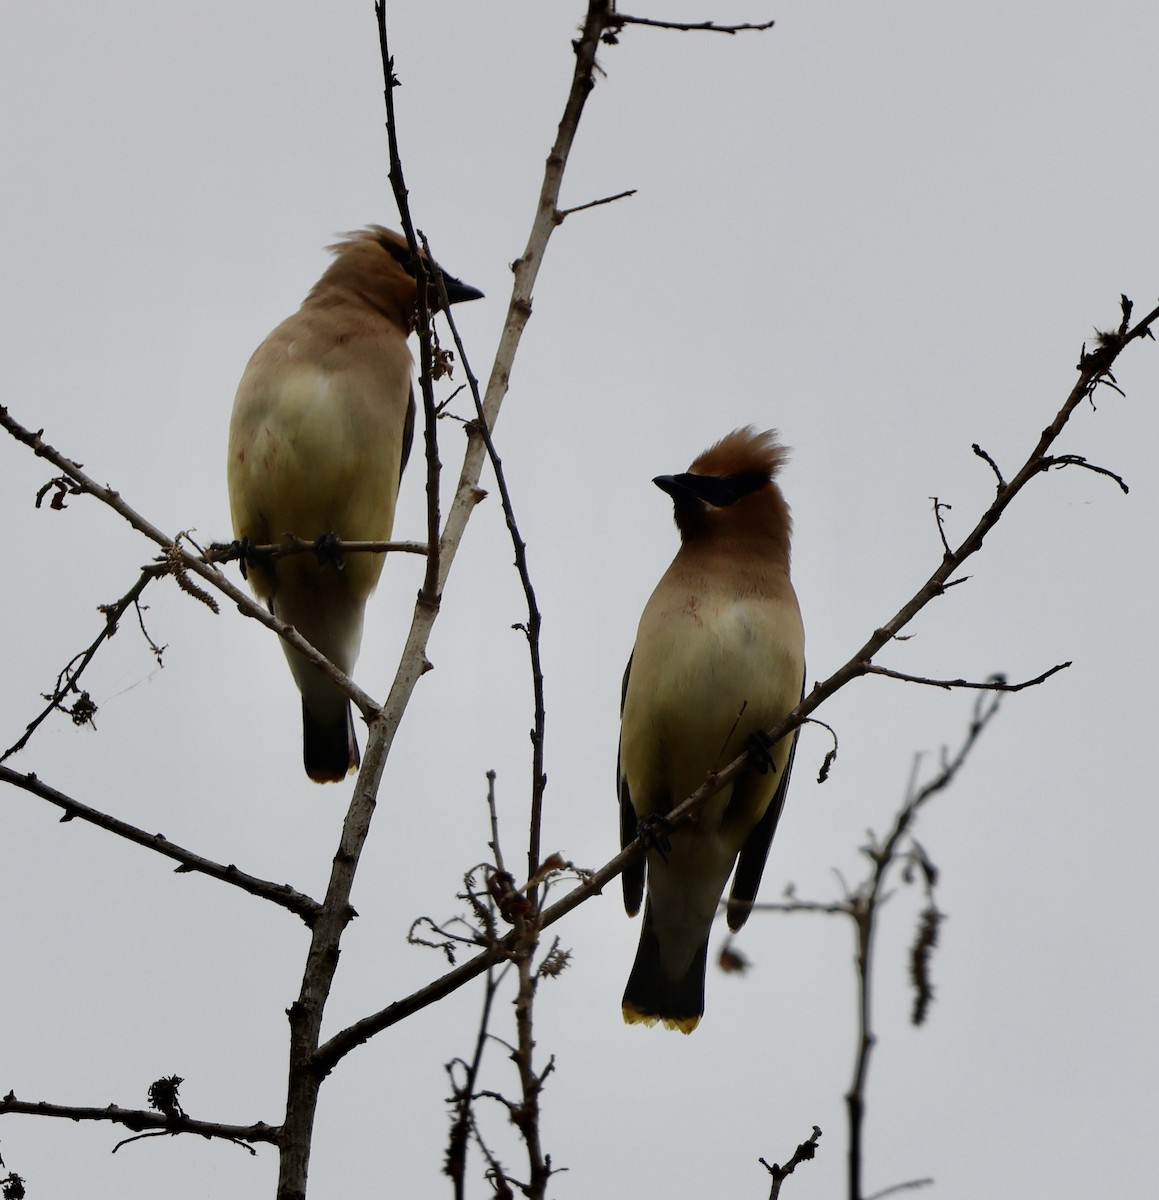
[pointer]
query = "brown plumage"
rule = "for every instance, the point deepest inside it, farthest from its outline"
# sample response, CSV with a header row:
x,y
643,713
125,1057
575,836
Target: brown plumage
x,y
320,434
719,657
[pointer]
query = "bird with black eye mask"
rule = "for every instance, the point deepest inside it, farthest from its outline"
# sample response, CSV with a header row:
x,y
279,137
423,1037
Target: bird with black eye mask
x,y
719,658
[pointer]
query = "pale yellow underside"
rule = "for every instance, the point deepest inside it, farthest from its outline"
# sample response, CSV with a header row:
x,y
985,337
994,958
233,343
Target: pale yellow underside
x,y
708,670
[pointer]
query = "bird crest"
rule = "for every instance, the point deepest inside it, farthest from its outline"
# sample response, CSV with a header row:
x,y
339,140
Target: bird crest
x,y
747,450
389,240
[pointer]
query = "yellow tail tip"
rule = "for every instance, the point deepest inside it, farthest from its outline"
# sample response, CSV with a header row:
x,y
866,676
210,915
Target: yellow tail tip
x,y
634,1016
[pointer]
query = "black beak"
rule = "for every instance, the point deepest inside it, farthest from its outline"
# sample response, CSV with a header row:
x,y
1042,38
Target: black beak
x,y
675,485
458,291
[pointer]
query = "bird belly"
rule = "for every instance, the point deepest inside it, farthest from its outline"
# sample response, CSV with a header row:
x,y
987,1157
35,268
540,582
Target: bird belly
x,y
703,680
307,459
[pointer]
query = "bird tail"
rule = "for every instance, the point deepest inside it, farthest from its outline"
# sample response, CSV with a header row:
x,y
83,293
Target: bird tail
x,y
652,996
329,748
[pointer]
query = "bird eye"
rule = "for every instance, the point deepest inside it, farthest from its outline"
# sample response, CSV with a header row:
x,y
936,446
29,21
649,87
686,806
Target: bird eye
x,y
400,254
745,484
722,490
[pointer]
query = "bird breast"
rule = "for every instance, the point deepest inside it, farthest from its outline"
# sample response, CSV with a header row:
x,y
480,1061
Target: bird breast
x,y
707,672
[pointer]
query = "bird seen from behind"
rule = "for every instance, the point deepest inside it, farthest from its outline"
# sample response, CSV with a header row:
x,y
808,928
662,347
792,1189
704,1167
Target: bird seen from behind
x,y
321,430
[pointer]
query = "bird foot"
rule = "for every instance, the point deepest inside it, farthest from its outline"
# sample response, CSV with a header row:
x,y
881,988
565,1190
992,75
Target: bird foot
x,y
248,555
653,831
760,748
327,551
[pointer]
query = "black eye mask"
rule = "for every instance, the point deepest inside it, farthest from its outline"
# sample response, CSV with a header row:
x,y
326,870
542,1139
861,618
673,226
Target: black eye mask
x,y
718,490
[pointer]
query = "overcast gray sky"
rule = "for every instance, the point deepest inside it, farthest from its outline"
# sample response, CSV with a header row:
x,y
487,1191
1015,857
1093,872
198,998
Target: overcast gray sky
x,y
886,230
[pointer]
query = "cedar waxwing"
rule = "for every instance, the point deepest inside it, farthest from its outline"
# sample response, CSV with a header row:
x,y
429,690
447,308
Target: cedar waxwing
x,y
320,434
719,658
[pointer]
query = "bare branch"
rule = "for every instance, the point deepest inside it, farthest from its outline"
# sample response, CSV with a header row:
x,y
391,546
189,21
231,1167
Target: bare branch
x,y
463,1125
832,908
993,465
330,1053
66,681
1077,460
140,1137
190,562
141,1119
940,507
621,19
864,906
224,552
277,893
803,1153
562,214
908,1186
996,683
533,627
429,595
525,1115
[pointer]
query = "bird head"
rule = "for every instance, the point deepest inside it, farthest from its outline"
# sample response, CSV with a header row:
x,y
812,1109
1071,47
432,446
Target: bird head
x,y
377,264
730,490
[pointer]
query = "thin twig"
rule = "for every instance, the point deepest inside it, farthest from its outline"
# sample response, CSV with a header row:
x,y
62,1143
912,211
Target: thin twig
x,y
463,1126
224,552
803,1153
994,684
1077,460
863,908
837,908
430,589
532,630
277,893
67,679
993,465
939,507
140,1137
908,1186
525,1114
174,551
563,213
862,905
620,19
